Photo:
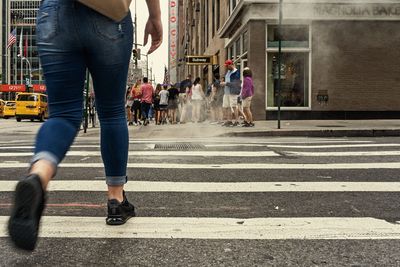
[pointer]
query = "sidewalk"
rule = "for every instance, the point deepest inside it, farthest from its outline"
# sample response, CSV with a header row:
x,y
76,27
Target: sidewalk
x,y
312,128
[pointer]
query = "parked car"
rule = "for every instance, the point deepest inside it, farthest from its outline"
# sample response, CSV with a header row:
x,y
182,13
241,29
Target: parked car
x,y
9,109
31,106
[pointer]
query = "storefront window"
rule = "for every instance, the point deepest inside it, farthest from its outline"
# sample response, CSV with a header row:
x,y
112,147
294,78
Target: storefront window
x,y
294,79
292,36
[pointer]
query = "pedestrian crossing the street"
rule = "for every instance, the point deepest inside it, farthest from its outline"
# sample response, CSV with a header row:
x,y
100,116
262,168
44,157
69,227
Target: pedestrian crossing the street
x,y
267,189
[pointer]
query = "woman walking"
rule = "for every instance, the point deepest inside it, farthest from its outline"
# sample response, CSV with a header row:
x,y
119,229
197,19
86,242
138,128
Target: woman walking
x,y
246,95
136,106
172,103
72,38
197,100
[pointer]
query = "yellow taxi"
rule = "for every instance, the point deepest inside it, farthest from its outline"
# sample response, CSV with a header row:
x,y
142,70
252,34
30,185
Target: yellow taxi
x,y
31,106
9,109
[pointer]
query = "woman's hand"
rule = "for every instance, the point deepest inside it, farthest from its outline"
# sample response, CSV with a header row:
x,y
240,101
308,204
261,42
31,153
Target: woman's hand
x,y
153,26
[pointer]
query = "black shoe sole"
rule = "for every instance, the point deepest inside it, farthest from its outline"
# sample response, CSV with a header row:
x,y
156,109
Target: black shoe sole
x,y
119,220
23,225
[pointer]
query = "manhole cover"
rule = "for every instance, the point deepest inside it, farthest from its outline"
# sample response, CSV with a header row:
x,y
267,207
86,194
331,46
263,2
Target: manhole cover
x,y
330,126
179,146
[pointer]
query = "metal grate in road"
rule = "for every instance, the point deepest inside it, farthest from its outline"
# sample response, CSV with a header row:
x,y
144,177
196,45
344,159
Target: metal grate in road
x,y
179,146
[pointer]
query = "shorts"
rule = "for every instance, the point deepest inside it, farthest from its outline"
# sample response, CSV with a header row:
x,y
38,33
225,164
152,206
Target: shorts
x,y
230,101
173,104
163,107
247,102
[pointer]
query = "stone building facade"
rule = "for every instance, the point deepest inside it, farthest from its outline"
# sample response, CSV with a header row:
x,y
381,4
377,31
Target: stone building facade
x,y
340,59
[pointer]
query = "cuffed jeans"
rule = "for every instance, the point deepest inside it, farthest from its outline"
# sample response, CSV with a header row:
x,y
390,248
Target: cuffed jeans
x,y
72,38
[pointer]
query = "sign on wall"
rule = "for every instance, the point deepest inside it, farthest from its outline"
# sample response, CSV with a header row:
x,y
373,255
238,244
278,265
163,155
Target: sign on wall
x,y
201,60
173,40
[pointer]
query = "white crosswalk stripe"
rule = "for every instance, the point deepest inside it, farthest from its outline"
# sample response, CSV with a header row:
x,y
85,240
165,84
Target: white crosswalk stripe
x,y
157,186
217,228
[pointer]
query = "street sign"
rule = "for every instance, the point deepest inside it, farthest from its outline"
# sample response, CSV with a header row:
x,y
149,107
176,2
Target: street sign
x,y
201,60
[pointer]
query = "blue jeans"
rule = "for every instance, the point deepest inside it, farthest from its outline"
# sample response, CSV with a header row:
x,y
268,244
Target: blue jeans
x,y
72,38
146,110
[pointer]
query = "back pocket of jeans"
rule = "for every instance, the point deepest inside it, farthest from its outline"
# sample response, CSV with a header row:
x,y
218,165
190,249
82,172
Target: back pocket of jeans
x,y
47,22
106,27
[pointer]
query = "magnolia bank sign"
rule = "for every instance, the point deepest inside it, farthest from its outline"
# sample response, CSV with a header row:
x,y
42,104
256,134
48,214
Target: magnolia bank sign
x,y
173,39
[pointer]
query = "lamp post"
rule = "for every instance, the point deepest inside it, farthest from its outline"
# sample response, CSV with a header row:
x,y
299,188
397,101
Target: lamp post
x,y
28,81
279,62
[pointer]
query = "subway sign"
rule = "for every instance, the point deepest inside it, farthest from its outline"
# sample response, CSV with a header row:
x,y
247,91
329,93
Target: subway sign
x,y
201,60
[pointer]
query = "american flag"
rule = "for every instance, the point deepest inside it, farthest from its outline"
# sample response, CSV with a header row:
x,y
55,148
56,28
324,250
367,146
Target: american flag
x,y
166,76
12,38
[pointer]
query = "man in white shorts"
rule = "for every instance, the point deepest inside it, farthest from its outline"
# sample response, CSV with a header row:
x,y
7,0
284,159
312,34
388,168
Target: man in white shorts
x,y
231,93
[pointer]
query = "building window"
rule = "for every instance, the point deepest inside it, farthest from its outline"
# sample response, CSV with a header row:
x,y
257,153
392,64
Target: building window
x,y
245,40
292,36
231,52
238,47
232,5
213,17
295,65
218,16
207,18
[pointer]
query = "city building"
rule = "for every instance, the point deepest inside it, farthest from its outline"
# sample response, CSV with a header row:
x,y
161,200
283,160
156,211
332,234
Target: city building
x,y
199,22
20,64
340,59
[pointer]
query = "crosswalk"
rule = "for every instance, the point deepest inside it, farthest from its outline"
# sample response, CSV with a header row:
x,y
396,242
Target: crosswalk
x,y
235,189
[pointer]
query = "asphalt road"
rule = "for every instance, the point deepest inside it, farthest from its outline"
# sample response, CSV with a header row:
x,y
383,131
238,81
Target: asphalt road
x,y
287,202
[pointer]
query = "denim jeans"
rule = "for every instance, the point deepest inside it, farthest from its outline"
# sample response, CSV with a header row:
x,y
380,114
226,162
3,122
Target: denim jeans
x,y
72,38
146,110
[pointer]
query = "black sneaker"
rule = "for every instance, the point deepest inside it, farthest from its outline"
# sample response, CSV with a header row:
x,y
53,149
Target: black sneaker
x,y
119,212
29,202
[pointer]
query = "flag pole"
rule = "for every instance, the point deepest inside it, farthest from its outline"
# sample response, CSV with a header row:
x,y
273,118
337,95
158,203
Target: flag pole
x,y
21,55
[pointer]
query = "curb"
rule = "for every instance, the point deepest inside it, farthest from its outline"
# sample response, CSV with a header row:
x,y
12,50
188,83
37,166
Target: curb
x,y
319,133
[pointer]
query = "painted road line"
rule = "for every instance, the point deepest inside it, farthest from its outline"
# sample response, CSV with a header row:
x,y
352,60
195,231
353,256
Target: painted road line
x,y
217,228
158,186
163,153
337,146
238,166
343,153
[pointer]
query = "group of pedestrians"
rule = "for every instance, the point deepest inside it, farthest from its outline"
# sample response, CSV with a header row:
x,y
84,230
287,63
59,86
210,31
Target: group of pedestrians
x,y
226,101
144,103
